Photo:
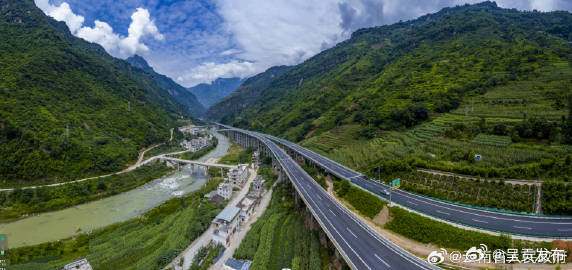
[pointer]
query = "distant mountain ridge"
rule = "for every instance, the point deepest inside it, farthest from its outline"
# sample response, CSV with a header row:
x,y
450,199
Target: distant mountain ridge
x,y
229,107
177,91
209,94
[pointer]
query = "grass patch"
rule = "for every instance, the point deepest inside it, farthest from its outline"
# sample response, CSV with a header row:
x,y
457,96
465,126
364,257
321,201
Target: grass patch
x,y
426,231
366,203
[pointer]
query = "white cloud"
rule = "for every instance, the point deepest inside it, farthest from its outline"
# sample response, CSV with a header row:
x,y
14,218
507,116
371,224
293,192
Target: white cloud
x,y
230,52
102,33
62,12
209,71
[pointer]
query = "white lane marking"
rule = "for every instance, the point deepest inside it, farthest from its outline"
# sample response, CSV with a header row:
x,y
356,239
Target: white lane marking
x,y
411,202
480,215
386,264
319,197
385,242
444,213
565,230
478,220
334,227
333,212
351,232
526,228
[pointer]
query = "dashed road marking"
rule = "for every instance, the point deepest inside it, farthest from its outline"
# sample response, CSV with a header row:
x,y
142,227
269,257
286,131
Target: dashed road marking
x,y
386,264
444,213
351,232
526,228
478,220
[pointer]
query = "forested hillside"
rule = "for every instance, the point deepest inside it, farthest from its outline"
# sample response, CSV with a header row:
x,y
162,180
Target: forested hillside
x,y
67,108
396,76
177,91
432,93
228,109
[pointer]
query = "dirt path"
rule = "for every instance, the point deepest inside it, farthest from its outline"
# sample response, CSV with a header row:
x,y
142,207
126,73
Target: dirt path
x,y
508,181
140,158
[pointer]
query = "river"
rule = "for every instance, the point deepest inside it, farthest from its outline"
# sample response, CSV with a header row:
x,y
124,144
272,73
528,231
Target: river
x,y
67,222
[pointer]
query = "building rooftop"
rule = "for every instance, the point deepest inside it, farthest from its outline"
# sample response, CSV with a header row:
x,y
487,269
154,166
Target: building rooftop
x,y
228,213
246,202
237,265
81,264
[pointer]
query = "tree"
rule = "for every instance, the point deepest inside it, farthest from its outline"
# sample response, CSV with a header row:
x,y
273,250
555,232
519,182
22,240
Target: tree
x,y
568,132
344,188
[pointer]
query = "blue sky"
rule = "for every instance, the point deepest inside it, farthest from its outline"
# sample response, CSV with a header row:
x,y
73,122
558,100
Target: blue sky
x,y
199,41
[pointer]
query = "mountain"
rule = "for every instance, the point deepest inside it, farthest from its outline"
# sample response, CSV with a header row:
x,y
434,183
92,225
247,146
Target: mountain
x,y
230,106
396,76
174,89
67,108
209,94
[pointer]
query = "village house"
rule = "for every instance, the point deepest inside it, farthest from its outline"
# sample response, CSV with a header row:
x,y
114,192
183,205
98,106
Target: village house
x,y
226,224
225,190
238,175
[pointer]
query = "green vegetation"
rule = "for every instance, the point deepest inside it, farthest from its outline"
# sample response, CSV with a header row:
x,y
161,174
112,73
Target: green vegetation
x,y
476,192
178,92
237,155
366,203
229,107
148,242
433,93
494,140
279,238
68,109
557,198
396,76
27,201
313,171
426,230
208,254
265,170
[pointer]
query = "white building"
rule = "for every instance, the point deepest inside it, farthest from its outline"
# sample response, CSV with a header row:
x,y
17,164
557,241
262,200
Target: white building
x,y
238,175
81,264
224,190
197,144
247,205
226,224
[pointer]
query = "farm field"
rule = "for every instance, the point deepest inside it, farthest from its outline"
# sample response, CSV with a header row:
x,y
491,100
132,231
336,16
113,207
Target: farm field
x,y
485,193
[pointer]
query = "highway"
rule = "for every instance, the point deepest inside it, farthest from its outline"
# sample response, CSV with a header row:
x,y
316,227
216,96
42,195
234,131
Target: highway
x,y
536,226
359,245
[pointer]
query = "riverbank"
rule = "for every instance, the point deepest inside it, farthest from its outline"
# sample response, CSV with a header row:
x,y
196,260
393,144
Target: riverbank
x,y
96,214
30,201
19,204
145,242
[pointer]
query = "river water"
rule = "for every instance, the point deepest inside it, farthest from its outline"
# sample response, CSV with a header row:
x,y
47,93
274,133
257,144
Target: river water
x,y
67,222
